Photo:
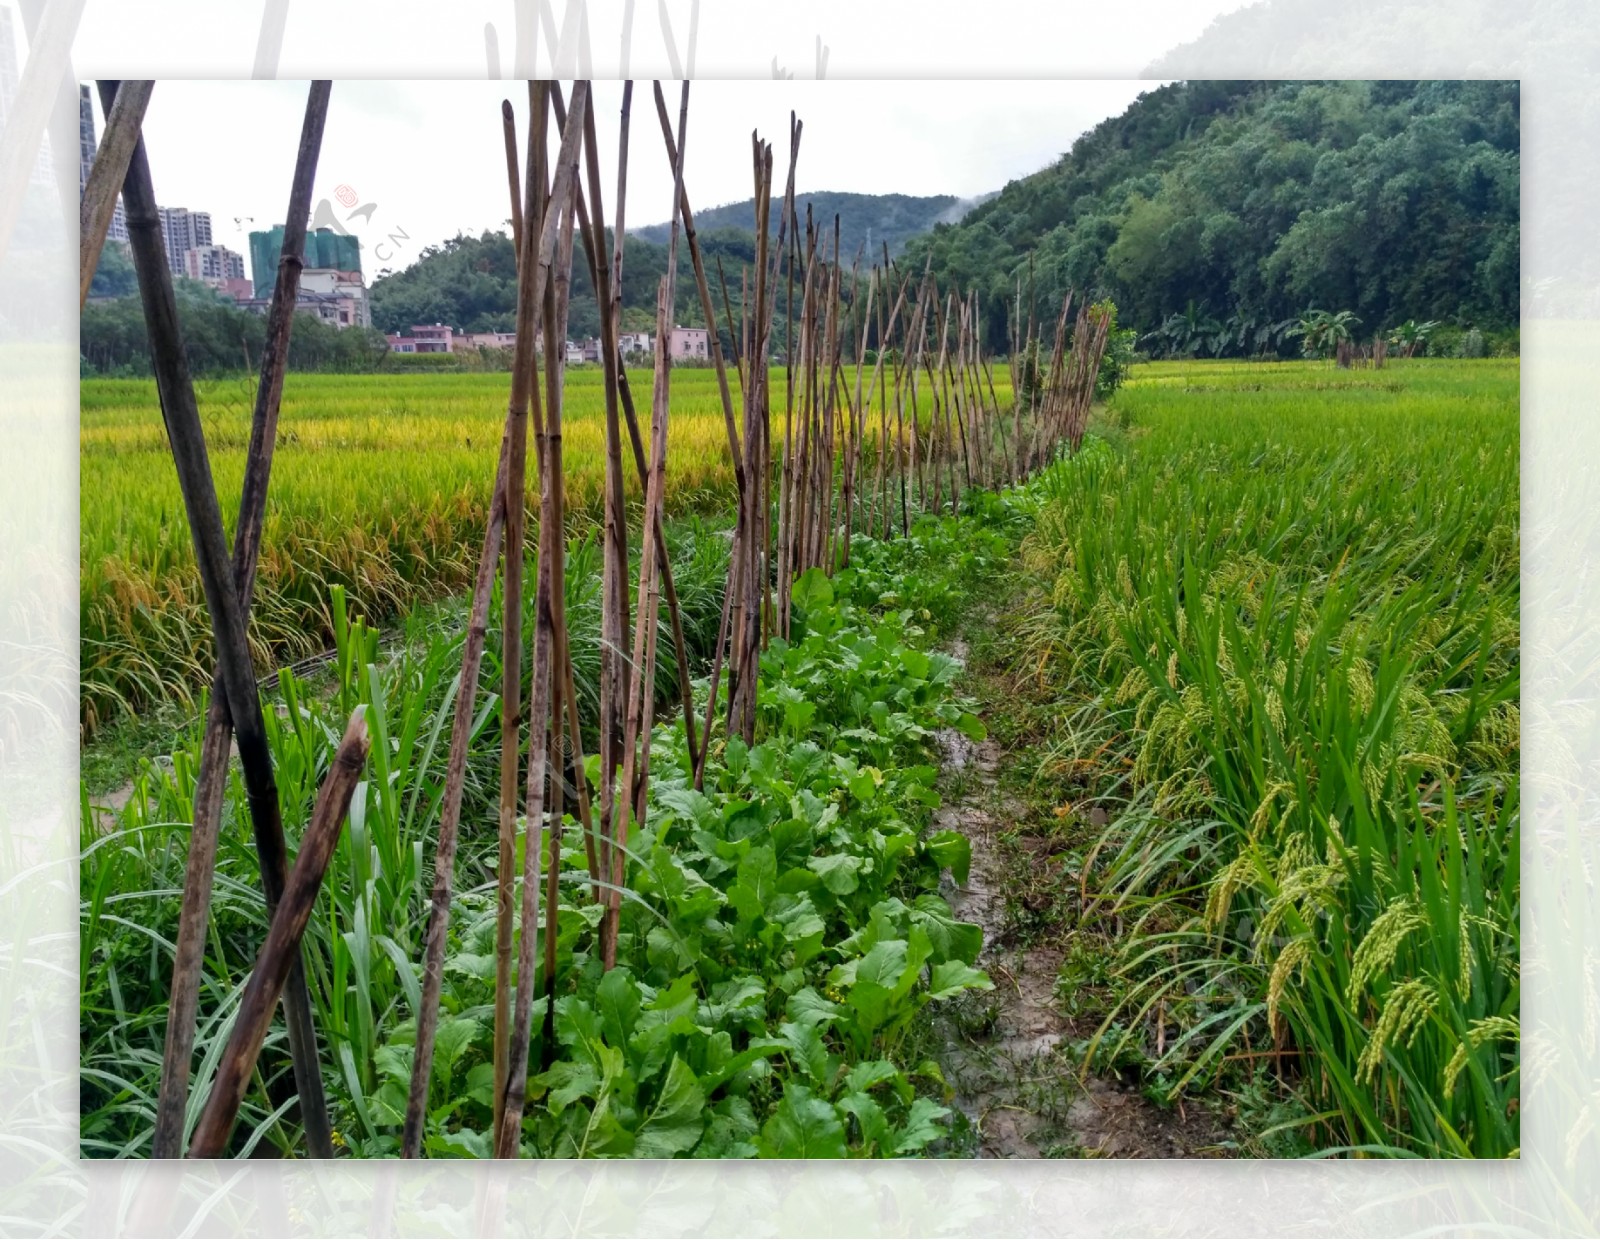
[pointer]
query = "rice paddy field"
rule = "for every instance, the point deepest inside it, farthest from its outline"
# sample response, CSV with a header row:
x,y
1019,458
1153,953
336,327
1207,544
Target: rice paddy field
x,y
1278,650
1252,656
380,485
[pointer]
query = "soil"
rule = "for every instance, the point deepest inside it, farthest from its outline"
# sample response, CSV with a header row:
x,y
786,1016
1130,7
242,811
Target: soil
x,y
1010,1057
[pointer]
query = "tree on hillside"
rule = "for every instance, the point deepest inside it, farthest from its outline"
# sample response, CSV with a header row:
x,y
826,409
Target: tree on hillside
x,y
1395,199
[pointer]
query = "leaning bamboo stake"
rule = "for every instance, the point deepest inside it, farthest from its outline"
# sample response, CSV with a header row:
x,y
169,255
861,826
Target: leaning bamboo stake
x,y
559,217
187,439
560,286
595,258
857,416
605,275
716,662
636,735
614,673
216,745
511,593
281,949
692,240
123,120
450,815
752,602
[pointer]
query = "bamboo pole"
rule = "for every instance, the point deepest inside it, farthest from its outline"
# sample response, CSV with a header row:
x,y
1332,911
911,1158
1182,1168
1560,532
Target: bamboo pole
x,y
216,744
636,736
123,120
511,591
187,439
281,949
751,605
857,416
559,216
561,284
529,293
614,560
714,345
615,673
716,661
596,259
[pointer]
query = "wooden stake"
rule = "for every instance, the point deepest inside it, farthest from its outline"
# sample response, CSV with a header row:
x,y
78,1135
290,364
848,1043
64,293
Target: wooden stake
x,y
281,950
559,215
221,585
511,589
123,120
636,736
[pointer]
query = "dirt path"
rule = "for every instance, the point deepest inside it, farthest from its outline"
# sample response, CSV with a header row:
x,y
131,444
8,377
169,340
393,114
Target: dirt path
x,y
1010,1056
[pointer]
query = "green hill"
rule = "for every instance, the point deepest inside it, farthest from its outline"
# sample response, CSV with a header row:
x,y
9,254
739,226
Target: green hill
x,y
1248,202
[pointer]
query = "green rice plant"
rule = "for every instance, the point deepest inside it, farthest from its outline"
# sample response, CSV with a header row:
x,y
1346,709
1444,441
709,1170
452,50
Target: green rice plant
x,y
1291,601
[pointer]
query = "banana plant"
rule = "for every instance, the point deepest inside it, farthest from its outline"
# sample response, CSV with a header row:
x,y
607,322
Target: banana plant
x,y
1411,337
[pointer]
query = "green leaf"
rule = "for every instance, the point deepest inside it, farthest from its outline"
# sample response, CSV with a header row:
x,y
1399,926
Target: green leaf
x,y
951,939
480,1084
863,785
951,977
868,1073
740,994
674,1124
951,851
618,1001
922,1126
686,803
883,964
869,1115
567,1081
812,589
806,1049
578,1026
480,967
757,883
759,1048
462,1144
454,1035
807,1007
838,871
733,1123
802,1126
971,727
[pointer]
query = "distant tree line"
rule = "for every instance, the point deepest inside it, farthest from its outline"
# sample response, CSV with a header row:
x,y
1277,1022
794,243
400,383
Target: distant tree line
x,y
219,338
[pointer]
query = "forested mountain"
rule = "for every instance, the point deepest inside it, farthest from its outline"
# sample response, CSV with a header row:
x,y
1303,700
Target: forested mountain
x,y
866,221
1252,201
1552,42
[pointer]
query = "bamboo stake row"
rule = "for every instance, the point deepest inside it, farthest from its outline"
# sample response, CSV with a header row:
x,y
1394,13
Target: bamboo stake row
x,y
799,502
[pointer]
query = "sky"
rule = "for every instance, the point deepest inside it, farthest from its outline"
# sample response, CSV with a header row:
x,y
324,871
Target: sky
x,y
639,38
428,157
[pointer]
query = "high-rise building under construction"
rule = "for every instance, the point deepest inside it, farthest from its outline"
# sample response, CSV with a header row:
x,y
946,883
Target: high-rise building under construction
x,y
324,249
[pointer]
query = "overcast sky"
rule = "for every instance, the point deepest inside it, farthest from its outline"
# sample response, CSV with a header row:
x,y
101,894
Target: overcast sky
x,y
428,156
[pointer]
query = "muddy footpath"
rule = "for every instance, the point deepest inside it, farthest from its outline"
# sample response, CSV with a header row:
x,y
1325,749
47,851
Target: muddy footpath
x,y
1009,1052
